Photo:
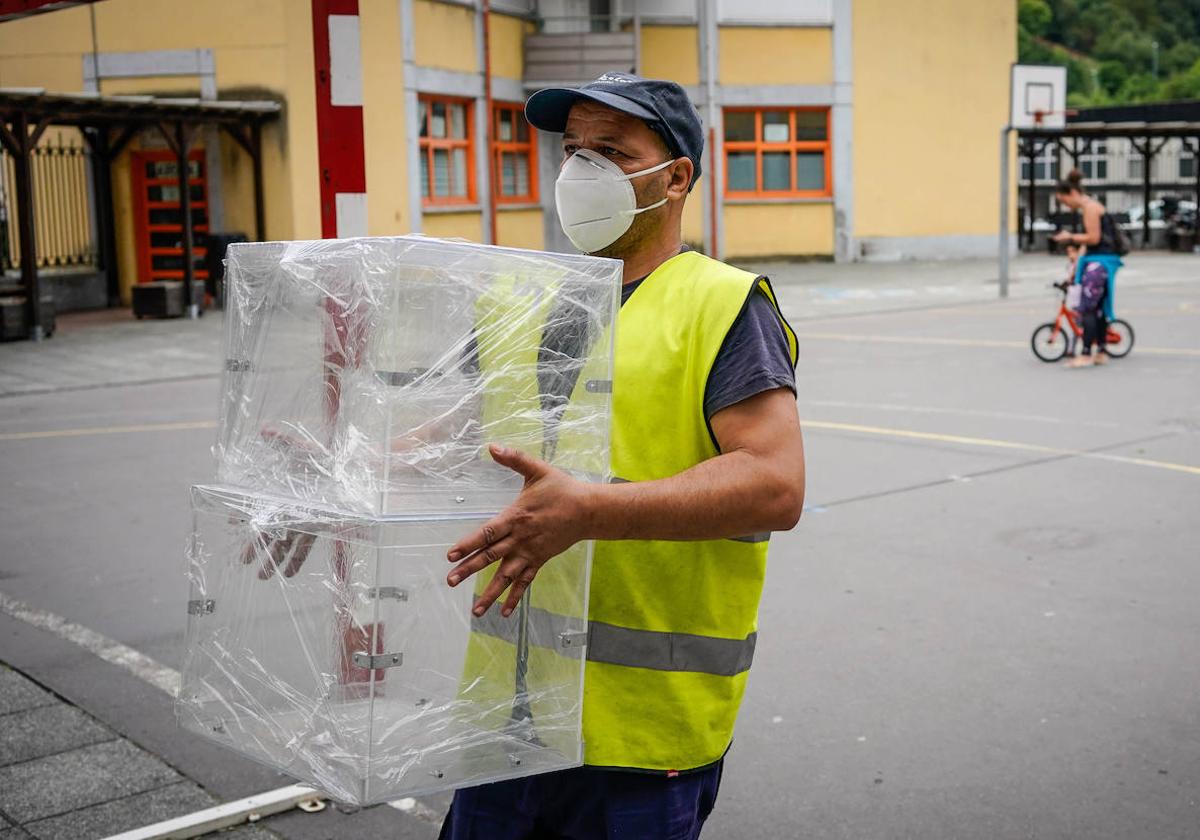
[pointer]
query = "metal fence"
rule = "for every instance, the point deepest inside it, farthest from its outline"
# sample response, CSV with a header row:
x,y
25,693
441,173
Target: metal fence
x,y
61,171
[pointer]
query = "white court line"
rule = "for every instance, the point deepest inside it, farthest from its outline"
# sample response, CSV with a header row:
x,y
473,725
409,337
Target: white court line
x,y
864,338
1000,444
147,670
965,412
141,666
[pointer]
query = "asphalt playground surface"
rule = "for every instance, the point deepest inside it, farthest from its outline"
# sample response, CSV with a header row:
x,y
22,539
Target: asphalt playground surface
x,y
986,625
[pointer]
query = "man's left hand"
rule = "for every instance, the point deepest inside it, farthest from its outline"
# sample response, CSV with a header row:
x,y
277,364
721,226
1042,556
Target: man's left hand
x,y
548,517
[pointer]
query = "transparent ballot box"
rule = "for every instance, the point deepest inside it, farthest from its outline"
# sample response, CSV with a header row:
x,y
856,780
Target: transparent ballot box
x,y
372,373
327,644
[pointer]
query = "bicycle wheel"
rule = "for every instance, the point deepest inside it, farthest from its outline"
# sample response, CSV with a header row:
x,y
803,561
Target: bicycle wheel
x,y
1049,345
1119,340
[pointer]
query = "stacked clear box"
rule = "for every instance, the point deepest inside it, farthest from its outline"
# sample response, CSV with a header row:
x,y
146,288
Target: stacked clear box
x,y
364,379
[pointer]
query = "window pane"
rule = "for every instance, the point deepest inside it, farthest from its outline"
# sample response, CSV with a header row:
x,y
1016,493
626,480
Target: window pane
x,y
1187,167
459,182
437,120
742,176
777,171
1135,167
458,121
775,128
810,171
739,125
514,174
424,175
522,128
441,173
1101,169
424,119
504,130
810,125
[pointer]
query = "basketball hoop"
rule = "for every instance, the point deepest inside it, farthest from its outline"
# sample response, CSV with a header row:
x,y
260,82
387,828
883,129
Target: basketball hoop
x,y
1038,97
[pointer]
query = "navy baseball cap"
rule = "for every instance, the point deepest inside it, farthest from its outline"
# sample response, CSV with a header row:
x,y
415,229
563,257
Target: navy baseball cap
x,y
662,105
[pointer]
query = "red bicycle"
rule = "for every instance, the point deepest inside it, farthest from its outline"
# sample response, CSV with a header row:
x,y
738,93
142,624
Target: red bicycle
x,y
1055,339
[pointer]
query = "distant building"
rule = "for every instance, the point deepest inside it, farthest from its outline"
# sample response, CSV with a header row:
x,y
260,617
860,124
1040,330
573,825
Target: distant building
x,y
843,129
1113,169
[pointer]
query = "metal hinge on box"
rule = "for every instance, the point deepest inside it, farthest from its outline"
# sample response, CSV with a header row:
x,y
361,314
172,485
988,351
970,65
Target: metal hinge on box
x,y
201,606
378,660
237,365
570,639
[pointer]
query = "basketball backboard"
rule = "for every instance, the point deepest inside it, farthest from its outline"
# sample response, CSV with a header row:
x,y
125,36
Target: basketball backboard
x,y
1039,96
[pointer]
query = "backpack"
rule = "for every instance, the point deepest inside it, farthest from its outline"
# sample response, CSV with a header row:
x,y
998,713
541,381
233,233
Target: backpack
x,y
1117,237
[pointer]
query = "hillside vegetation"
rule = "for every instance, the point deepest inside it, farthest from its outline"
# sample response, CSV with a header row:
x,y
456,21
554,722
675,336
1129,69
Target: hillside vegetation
x,y
1116,51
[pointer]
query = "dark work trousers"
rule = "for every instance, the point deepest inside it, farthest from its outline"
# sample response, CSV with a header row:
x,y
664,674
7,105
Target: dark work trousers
x,y
1095,330
1091,307
586,803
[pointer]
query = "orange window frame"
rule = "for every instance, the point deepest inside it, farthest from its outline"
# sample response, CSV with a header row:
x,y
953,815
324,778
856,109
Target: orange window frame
x,y
792,147
142,205
527,148
428,145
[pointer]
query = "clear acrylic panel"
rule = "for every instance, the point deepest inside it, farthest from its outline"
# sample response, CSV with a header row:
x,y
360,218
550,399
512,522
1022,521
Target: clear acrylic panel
x,y
268,670
372,373
287,601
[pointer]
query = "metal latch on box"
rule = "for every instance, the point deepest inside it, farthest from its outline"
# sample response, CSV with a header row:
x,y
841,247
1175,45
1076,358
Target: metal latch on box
x,y
201,606
378,660
572,639
394,592
598,386
237,365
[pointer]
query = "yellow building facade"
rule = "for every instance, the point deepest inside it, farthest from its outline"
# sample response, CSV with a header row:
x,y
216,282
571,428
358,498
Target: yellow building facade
x,y
843,129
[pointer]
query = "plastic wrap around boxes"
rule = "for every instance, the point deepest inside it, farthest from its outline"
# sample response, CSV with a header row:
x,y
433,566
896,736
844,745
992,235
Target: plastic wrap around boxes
x,y
364,379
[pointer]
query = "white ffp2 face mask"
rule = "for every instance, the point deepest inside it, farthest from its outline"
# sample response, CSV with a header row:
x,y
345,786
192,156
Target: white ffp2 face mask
x,y
596,203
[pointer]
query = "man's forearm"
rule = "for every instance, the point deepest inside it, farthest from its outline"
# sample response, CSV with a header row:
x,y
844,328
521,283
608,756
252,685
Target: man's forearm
x,y
731,495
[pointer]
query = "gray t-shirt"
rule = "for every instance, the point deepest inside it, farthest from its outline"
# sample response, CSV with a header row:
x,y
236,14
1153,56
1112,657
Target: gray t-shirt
x,y
753,358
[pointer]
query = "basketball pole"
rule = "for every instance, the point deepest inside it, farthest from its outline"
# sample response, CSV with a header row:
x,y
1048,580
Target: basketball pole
x,y
1004,133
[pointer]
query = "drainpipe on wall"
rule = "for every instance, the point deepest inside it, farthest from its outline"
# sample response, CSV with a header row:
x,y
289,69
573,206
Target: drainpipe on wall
x,y
708,34
487,126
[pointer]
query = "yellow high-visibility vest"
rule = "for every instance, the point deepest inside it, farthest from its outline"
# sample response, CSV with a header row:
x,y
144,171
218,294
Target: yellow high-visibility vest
x,y
672,624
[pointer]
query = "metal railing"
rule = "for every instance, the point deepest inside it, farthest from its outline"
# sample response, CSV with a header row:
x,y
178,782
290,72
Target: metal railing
x,y
61,170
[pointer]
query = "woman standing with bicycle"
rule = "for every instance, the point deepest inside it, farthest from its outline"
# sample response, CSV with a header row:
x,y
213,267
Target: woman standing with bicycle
x,y
1095,269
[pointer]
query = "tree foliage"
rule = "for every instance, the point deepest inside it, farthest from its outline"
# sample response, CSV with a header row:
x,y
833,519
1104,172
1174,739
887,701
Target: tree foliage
x,y
1115,51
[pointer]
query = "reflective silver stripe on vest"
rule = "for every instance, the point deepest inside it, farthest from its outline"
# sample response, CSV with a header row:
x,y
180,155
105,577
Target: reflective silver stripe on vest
x,y
669,651
608,643
762,536
545,628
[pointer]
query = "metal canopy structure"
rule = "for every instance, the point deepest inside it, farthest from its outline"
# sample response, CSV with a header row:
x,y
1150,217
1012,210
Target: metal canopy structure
x,y
1148,128
1147,138
108,124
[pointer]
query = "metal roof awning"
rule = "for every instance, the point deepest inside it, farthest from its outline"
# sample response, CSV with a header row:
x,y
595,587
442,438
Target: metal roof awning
x,y
108,124
97,109
1147,127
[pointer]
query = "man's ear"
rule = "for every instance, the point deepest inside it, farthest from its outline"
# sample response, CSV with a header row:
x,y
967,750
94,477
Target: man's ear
x,y
681,178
